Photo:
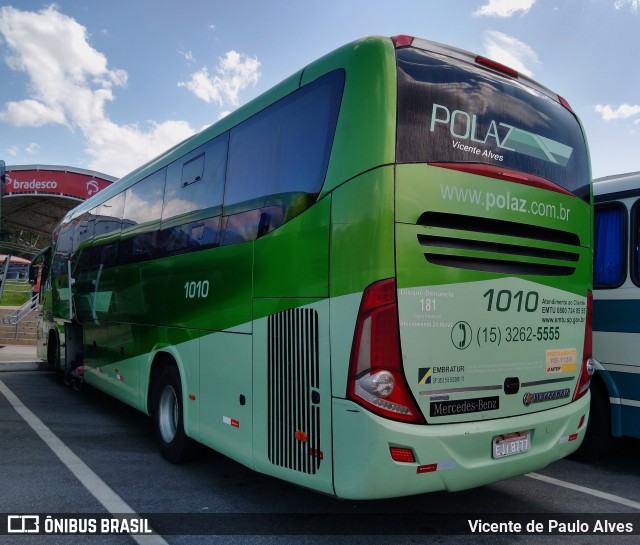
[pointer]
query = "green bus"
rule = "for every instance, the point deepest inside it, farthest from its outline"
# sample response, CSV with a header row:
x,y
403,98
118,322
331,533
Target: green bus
x,y
372,280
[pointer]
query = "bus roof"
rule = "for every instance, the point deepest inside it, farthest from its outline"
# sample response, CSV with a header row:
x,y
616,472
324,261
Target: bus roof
x,y
332,60
617,186
472,58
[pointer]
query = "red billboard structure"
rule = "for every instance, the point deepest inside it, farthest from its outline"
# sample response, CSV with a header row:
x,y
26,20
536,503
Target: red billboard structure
x,y
36,198
76,183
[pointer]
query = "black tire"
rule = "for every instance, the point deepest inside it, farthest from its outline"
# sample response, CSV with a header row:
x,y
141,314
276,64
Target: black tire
x,y
598,440
53,355
168,418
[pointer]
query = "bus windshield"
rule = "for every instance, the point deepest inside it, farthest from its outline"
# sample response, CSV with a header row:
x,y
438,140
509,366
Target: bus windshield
x,y
452,111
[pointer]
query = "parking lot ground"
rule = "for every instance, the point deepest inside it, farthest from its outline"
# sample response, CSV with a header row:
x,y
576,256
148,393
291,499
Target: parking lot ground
x,y
216,500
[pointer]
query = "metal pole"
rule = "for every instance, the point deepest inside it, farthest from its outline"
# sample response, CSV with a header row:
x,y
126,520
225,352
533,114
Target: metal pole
x,y
3,273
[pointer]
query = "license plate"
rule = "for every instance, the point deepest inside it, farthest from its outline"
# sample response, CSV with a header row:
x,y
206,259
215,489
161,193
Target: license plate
x,y
512,444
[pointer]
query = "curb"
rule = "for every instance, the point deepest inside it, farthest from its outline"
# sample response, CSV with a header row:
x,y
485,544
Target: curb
x,y
7,366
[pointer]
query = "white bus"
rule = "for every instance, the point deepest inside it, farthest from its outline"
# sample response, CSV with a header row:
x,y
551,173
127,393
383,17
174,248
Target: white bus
x,y
615,389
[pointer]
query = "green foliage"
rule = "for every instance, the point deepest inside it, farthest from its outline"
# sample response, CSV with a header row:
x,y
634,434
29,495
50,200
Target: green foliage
x,y
11,298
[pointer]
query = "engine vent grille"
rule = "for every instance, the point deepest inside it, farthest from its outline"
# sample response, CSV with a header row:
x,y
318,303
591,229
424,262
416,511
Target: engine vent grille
x,y
509,257
294,380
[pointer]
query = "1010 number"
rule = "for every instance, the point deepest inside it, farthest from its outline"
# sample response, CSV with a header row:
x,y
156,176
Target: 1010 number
x,y
196,290
505,300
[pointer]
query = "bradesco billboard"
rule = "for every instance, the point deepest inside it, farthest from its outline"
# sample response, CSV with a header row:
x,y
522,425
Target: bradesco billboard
x,y
58,182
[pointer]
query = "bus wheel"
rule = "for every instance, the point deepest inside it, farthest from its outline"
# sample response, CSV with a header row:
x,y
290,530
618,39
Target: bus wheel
x,y
53,355
168,418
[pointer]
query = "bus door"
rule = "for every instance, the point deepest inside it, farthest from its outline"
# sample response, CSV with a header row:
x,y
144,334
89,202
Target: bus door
x,y
292,392
291,355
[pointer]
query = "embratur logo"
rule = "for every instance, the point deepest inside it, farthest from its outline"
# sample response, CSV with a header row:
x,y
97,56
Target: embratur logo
x,y
424,375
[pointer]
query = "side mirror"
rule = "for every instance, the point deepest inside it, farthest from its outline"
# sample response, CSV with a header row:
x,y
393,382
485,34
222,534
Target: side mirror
x,y
33,273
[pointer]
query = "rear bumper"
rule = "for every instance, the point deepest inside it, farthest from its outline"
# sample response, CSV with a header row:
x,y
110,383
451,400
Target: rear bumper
x,y
448,456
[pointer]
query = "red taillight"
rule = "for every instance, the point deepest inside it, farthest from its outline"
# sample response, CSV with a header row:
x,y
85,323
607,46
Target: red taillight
x,y
586,372
565,104
376,380
497,66
402,40
404,455
501,173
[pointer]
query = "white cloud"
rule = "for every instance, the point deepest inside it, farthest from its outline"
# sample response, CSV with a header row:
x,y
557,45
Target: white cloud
x,y
506,8
624,111
509,51
32,113
13,151
234,72
128,146
32,149
188,55
634,4
70,83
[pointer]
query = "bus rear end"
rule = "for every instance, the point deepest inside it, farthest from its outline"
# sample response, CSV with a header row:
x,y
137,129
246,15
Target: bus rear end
x,y
473,364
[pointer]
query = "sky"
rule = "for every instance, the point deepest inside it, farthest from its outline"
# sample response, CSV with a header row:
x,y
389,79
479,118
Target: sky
x,y
106,85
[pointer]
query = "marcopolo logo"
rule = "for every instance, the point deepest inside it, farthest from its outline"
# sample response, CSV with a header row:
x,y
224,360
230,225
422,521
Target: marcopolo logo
x,y
540,397
465,126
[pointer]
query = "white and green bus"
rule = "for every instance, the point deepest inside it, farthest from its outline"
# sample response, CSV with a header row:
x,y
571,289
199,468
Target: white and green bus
x,y
615,391
372,280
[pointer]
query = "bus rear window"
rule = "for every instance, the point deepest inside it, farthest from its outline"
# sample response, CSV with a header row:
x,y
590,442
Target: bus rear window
x,y
451,111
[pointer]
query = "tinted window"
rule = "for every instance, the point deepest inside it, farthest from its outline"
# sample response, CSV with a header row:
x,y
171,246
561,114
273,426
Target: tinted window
x,y
65,240
194,235
279,157
449,111
141,219
609,268
143,201
64,244
108,218
635,245
193,199
83,230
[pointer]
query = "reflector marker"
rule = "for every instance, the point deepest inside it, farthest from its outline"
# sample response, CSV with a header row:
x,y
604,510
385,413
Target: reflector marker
x,y
231,422
441,466
404,455
456,390
547,381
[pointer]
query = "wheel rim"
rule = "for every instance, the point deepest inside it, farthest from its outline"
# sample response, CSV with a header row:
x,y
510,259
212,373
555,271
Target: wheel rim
x,y
168,414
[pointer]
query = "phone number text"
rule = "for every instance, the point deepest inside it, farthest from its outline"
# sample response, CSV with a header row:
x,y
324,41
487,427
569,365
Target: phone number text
x,y
516,334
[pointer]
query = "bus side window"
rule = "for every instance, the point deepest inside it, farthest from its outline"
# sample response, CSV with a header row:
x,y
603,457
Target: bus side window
x,y
610,241
64,246
83,231
108,223
278,159
141,219
635,243
193,199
